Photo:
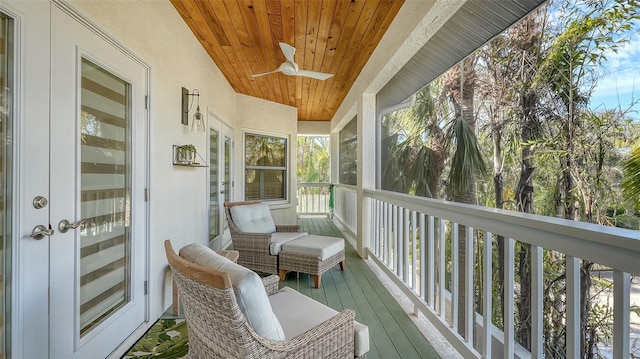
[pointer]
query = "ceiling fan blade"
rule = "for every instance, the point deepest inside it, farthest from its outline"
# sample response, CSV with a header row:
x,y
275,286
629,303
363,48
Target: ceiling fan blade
x,y
288,52
314,74
265,73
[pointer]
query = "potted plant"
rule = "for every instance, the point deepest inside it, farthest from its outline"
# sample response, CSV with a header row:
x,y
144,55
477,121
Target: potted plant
x,y
185,153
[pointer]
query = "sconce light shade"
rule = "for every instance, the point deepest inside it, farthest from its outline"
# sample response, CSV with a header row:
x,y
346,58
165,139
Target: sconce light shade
x,y
198,119
198,122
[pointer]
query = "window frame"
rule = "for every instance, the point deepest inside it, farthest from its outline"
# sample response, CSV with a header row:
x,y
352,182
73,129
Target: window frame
x,y
285,168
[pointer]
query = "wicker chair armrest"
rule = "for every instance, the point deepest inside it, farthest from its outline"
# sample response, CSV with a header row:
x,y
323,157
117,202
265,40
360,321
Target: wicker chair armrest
x,y
261,240
287,228
271,284
252,234
319,340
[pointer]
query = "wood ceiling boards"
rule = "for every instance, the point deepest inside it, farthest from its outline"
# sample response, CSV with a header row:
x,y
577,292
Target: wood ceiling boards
x,y
332,36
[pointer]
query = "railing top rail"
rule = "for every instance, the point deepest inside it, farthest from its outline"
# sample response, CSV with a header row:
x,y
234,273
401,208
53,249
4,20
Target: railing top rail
x,y
614,247
314,184
346,187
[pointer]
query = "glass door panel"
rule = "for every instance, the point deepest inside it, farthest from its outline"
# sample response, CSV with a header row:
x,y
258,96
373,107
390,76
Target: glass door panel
x,y
227,168
105,186
214,187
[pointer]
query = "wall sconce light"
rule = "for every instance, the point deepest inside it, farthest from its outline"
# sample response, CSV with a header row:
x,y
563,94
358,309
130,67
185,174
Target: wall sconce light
x,y
197,125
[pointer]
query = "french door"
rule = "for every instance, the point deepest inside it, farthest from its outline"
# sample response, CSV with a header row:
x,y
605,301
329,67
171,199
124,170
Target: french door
x,y
220,183
82,246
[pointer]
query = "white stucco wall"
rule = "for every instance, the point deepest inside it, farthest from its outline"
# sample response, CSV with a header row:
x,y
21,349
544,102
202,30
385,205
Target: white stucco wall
x,y
154,31
257,115
316,128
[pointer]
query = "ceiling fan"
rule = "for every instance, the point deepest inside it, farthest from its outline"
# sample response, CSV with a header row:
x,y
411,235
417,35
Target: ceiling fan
x,y
290,68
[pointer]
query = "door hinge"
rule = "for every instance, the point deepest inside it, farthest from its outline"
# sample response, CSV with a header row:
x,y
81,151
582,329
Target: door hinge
x,y
146,195
146,287
146,102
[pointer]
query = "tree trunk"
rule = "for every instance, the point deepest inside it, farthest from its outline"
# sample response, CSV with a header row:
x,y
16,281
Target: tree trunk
x,y
524,201
438,148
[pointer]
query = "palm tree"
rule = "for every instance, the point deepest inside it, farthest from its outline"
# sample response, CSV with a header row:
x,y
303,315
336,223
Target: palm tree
x,y
631,182
459,86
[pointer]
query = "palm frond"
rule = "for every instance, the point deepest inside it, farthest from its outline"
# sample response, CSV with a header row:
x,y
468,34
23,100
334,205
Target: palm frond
x,y
467,159
631,173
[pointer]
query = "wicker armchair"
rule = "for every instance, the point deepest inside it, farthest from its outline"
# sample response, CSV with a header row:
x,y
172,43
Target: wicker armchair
x,y
218,329
254,248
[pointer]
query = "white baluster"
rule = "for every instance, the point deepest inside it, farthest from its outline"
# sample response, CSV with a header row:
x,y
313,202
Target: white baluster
x,y
487,282
537,303
621,310
431,287
414,239
573,307
454,276
443,266
508,315
405,247
423,264
468,287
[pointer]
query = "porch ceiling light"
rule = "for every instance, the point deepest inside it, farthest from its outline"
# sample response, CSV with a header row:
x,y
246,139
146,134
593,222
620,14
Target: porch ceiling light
x,y
197,125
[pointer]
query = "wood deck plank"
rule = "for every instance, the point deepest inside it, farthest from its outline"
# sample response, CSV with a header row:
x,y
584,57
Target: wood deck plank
x,y
401,322
392,333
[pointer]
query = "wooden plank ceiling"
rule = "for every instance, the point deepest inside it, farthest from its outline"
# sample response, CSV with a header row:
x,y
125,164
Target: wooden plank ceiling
x,y
331,36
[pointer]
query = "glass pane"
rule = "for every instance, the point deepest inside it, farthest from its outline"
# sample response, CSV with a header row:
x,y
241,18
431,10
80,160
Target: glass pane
x,y
6,119
105,184
265,151
265,184
214,188
348,151
227,168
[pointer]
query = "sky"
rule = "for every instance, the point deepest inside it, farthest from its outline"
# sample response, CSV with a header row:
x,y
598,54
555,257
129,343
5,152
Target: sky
x,y
620,83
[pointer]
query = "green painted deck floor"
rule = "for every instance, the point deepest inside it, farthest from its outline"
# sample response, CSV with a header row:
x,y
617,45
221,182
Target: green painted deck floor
x,y
392,333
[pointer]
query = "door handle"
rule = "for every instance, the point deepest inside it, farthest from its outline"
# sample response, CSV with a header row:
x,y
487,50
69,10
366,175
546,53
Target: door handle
x,y
40,231
65,225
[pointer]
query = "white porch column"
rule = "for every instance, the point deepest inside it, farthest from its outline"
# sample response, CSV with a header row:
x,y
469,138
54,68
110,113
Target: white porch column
x,y
334,142
366,168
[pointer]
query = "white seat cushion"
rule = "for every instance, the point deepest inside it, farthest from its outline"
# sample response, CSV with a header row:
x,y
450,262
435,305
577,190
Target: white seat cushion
x,y
319,246
253,218
250,293
280,238
298,313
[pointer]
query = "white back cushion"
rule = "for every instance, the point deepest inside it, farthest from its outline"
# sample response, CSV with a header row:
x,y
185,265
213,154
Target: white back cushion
x,y
253,218
250,293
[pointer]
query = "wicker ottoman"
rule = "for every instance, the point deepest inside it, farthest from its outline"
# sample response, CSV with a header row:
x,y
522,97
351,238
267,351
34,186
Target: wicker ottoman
x,y
312,255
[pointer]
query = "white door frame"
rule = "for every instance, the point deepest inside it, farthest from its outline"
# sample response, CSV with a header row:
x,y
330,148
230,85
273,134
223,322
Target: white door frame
x,y
30,143
224,130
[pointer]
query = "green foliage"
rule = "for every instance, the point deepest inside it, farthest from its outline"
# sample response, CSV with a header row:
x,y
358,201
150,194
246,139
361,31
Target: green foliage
x,y
167,339
313,161
631,182
467,158
533,85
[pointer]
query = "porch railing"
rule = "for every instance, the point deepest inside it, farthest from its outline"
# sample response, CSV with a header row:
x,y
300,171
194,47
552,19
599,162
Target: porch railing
x,y
412,239
346,206
313,198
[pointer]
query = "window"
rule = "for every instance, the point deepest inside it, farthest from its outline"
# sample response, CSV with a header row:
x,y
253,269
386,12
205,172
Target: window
x,y
265,167
349,153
